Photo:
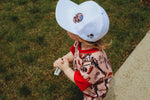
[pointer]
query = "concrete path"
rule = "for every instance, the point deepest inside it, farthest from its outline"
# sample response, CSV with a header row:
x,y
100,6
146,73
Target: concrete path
x,y
132,80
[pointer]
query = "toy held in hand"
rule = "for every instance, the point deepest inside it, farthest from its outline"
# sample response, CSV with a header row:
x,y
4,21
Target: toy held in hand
x,y
57,71
61,64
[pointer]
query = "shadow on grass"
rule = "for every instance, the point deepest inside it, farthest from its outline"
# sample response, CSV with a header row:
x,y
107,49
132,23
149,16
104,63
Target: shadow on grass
x,y
24,91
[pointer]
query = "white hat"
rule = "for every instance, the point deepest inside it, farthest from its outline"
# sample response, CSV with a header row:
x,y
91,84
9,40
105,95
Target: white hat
x,y
88,20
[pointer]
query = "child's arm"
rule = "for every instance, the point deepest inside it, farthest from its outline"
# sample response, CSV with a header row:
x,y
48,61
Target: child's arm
x,y
63,64
68,56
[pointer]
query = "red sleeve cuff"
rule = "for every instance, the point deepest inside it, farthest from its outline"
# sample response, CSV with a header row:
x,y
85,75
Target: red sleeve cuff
x,y
80,81
72,49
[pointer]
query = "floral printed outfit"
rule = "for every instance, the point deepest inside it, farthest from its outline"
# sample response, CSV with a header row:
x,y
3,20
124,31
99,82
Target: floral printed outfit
x,y
93,71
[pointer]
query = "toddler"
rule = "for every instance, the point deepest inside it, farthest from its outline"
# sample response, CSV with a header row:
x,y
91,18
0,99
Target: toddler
x,y
86,23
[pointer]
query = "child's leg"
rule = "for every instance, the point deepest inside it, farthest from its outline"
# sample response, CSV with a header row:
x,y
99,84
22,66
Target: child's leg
x,y
91,98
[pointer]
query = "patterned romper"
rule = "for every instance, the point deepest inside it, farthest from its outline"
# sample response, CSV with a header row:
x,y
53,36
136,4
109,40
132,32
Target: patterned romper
x,y
93,72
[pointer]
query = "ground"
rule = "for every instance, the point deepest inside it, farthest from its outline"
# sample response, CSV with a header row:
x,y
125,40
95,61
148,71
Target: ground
x,y
31,40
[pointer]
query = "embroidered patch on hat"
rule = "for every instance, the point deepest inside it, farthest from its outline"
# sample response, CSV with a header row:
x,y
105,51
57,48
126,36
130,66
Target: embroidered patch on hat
x,y
78,18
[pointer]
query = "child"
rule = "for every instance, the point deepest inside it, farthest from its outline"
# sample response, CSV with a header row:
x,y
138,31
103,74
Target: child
x,y
86,23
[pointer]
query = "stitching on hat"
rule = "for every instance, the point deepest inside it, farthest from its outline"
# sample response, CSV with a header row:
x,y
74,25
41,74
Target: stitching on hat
x,y
78,18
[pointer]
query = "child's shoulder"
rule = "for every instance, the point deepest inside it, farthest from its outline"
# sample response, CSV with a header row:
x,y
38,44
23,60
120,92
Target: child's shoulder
x,y
99,53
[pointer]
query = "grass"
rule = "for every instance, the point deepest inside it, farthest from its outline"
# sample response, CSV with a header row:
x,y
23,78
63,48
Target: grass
x,y
31,40
24,91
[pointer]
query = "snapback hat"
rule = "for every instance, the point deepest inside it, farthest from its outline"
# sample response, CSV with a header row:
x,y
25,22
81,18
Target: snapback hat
x,y
88,20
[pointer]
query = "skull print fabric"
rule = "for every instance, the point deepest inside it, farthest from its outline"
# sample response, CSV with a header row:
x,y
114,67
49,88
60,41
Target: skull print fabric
x,y
93,72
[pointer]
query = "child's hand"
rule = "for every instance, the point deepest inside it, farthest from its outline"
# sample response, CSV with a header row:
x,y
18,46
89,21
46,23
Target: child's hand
x,y
60,60
63,64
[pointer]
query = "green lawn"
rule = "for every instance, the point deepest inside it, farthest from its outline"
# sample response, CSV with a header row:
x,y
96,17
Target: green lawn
x,y
31,40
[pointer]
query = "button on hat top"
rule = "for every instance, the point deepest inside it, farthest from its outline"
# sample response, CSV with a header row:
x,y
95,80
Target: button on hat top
x,y
78,18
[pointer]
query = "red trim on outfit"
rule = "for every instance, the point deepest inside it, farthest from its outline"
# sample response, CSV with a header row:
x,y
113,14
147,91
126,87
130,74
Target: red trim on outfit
x,y
80,81
87,51
72,49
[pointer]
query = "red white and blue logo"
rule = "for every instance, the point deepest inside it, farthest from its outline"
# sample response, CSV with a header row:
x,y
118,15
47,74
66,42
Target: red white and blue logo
x,y
78,18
